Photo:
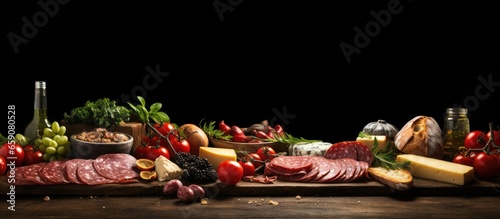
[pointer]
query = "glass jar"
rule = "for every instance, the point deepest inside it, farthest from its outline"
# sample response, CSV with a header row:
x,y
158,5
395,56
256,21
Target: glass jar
x,y
456,127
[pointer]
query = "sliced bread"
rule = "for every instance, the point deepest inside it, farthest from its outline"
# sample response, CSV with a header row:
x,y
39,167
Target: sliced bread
x,y
399,179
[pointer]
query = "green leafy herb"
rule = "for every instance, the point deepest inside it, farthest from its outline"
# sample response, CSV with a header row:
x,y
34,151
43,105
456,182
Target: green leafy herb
x,y
153,113
214,132
385,157
101,113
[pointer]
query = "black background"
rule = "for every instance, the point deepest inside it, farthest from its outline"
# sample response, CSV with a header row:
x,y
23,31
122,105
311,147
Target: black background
x,y
263,59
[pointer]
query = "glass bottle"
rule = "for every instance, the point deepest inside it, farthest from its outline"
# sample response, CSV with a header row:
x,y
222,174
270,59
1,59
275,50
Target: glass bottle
x,y
40,119
455,129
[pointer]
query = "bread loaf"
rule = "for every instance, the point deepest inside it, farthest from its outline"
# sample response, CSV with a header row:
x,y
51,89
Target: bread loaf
x,y
421,136
399,179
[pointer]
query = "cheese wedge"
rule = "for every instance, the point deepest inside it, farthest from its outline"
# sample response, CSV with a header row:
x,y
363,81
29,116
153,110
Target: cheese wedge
x,y
216,155
370,141
166,169
438,170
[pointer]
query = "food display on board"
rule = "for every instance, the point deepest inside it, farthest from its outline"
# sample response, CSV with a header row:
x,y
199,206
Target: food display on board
x,y
183,158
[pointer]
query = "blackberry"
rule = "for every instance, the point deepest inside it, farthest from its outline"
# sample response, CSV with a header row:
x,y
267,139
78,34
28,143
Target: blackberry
x,y
196,169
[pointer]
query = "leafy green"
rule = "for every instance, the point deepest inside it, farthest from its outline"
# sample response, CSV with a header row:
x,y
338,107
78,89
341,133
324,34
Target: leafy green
x,y
101,113
385,157
153,113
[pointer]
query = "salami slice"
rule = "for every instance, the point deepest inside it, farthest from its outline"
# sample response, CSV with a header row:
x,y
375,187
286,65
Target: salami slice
x,y
351,166
28,175
116,166
69,170
87,174
350,149
292,164
324,167
52,172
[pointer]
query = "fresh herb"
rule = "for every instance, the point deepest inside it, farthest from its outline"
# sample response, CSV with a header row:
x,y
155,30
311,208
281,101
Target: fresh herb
x,y
153,113
214,132
385,157
101,113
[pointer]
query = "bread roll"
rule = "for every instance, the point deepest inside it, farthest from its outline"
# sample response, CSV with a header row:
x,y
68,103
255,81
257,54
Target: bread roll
x,y
421,136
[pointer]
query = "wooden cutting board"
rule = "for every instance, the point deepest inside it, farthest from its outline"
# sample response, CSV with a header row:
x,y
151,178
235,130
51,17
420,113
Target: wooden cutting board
x,y
421,187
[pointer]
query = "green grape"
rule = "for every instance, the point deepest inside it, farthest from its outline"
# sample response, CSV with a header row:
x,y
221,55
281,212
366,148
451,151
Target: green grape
x,y
50,150
56,137
42,148
46,157
55,127
38,142
62,130
48,132
53,143
62,140
61,150
21,139
52,157
46,141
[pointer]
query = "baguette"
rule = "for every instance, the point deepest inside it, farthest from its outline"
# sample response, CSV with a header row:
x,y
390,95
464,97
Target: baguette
x,y
399,179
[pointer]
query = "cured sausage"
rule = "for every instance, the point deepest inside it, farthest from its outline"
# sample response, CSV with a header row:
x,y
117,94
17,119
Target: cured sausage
x,y
52,172
87,174
116,166
28,175
69,170
350,149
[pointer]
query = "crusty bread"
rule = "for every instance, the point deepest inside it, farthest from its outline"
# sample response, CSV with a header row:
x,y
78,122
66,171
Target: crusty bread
x,y
398,179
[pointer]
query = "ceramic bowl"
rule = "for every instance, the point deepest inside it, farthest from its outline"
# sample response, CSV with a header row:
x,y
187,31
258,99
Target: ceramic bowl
x,y
92,150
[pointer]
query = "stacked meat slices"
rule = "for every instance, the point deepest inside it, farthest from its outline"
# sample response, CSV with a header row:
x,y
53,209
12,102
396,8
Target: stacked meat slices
x,y
106,169
316,169
343,162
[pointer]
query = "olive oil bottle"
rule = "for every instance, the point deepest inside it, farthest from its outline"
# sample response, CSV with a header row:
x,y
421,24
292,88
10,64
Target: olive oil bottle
x,y
40,119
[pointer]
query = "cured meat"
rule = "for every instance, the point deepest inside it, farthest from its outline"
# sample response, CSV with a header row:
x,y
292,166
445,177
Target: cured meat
x,y
52,172
324,167
87,174
350,149
28,175
291,164
116,166
69,170
335,170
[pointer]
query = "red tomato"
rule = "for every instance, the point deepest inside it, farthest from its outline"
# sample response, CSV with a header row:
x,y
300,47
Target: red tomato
x,y
154,152
179,145
248,168
3,166
140,152
230,172
13,150
461,159
475,139
164,128
485,166
496,138
254,158
266,153
32,155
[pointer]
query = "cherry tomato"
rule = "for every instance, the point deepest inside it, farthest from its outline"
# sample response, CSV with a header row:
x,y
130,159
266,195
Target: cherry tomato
x,y
140,152
230,172
164,128
496,138
13,150
485,165
3,166
462,159
475,139
266,153
32,155
248,168
254,158
179,144
154,152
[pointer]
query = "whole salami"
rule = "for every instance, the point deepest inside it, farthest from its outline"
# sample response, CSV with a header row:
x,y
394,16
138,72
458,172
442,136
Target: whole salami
x,y
350,149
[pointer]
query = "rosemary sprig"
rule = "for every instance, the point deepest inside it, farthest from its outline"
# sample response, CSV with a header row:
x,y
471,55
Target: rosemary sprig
x,y
386,157
287,138
213,132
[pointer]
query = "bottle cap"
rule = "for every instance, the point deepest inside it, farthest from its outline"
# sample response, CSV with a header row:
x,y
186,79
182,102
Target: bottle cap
x,y
40,84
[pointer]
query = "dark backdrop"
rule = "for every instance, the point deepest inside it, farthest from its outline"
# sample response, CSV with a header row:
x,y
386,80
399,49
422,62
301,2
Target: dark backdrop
x,y
246,61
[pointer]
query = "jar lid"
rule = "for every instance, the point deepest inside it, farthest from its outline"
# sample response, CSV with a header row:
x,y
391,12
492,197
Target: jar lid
x,y
456,110
40,84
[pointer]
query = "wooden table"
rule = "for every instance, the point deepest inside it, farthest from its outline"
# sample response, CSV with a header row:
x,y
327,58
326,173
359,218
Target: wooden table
x,y
366,199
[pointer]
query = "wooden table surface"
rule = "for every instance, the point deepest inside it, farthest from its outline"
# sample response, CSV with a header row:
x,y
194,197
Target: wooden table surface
x,y
255,207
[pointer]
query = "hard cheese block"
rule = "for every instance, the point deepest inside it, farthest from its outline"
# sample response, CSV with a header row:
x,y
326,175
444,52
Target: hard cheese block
x,y
436,169
370,141
217,155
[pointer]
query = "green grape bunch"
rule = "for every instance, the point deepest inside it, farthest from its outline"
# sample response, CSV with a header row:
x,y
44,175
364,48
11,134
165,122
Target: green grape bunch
x,y
54,144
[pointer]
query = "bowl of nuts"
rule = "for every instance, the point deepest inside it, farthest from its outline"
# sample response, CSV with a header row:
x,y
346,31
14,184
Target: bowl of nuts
x,y
99,141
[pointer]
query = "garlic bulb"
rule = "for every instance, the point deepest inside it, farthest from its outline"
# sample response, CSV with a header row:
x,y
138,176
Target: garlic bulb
x,y
421,136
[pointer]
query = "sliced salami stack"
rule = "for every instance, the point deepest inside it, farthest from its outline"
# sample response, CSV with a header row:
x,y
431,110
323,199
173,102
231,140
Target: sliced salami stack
x,y
106,169
316,169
